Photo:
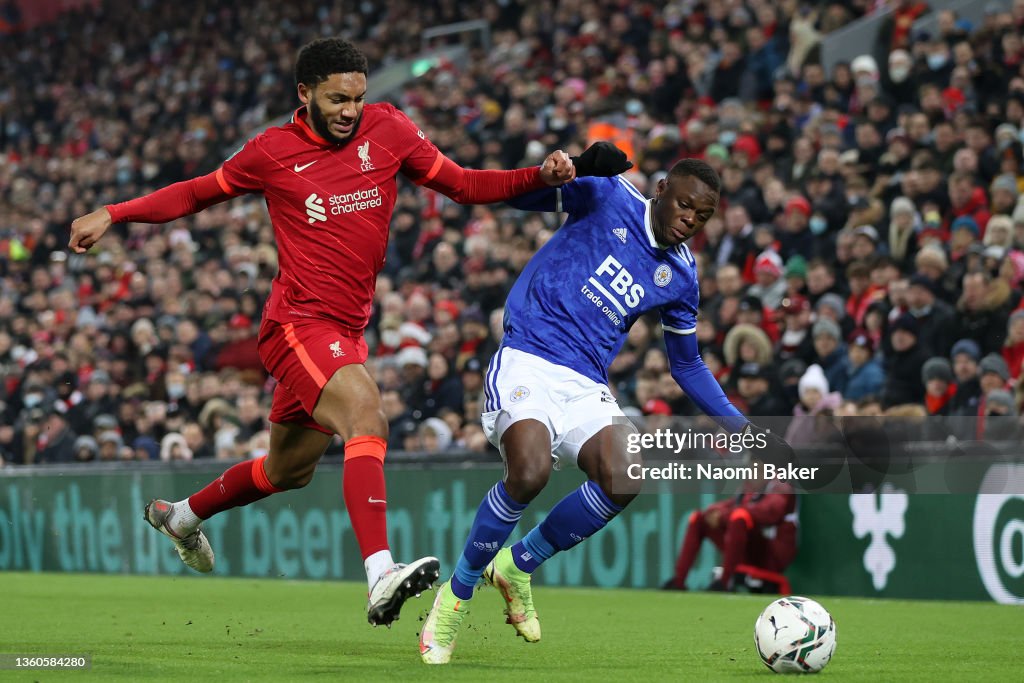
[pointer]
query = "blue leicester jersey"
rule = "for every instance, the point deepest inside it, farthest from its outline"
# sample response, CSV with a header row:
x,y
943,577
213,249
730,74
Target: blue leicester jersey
x,y
578,296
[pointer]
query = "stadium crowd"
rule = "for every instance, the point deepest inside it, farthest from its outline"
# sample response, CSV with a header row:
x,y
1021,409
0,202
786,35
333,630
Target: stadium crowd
x,y
866,257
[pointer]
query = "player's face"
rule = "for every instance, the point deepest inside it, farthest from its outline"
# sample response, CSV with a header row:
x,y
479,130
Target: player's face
x,y
336,105
682,206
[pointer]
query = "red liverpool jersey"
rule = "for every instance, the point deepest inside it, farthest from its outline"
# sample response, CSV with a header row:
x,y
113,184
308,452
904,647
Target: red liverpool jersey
x,y
331,207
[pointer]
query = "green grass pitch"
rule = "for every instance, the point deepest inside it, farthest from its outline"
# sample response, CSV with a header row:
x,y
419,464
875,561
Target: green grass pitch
x,y
195,628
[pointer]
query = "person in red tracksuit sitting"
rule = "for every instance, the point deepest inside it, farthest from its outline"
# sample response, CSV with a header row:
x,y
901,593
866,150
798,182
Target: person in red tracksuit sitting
x,y
755,527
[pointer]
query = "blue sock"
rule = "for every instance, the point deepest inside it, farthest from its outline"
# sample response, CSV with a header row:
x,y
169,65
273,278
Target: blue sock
x,y
579,515
497,515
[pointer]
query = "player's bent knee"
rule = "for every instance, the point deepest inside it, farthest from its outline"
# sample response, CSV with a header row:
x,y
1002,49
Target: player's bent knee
x,y
295,482
527,477
371,422
288,481
615,481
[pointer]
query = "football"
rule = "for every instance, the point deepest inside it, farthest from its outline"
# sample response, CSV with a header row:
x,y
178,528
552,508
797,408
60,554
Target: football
x,y
795,635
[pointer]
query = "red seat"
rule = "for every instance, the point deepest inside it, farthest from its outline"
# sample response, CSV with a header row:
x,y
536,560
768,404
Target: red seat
x,y
778,579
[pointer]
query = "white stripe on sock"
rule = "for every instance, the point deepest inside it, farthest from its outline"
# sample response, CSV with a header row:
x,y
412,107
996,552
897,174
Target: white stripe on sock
x,y
595,503
500,510
501,504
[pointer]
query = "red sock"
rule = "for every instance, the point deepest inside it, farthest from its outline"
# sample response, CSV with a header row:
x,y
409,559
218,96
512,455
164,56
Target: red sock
x,y
740,524
242,484
365,494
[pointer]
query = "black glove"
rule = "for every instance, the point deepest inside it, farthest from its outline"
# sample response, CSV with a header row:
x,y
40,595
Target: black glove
x,y
601,159
775,450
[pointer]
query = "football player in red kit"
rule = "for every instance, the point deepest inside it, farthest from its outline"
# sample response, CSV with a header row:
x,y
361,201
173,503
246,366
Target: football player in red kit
x,y
329,180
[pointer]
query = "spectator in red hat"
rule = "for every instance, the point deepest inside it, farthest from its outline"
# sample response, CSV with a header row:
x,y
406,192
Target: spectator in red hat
x,y
746,150
799,203
769,285
795,236
953,98
656,406
658,414
445,312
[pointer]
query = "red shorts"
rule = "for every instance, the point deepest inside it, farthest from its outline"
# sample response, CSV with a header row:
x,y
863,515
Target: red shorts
x,y
302,356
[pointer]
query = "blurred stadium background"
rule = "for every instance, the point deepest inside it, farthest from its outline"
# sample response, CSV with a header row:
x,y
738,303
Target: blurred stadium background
x,y
871,154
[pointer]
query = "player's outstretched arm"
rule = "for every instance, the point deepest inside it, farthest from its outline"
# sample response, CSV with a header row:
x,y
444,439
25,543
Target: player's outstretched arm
x,y
689,370
470,186
164,205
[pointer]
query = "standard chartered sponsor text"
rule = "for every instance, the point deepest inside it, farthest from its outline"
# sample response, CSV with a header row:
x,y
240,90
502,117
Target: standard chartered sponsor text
x,y
355,201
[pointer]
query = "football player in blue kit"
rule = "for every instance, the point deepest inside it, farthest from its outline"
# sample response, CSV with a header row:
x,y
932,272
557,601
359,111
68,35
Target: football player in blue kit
x,y
618,256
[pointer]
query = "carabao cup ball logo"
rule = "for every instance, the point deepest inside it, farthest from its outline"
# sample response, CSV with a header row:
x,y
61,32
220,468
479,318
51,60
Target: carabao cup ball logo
x,y
999,533
519,393
662,275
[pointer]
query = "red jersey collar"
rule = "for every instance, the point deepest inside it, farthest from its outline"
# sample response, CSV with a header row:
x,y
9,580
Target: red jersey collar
x,y
299,119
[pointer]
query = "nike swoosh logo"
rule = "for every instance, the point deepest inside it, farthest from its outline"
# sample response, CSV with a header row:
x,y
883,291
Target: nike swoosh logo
x,y
304,166
374,500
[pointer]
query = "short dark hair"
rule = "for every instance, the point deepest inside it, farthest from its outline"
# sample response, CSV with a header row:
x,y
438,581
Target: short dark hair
x,y
700,170
322,57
